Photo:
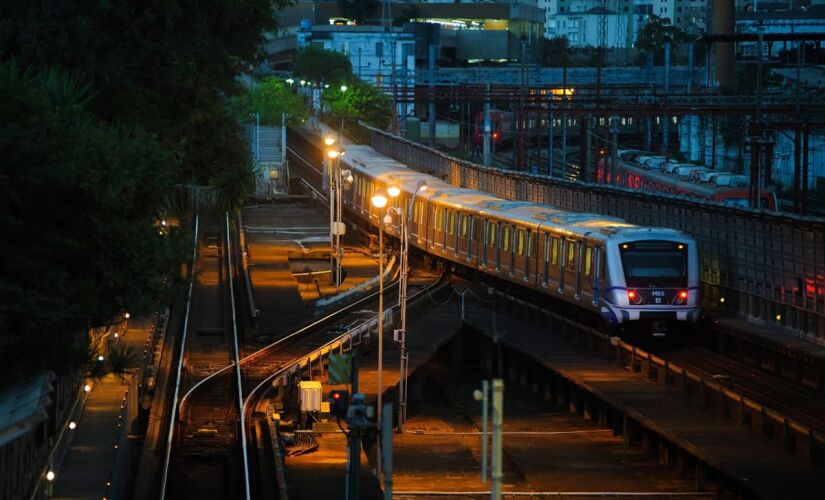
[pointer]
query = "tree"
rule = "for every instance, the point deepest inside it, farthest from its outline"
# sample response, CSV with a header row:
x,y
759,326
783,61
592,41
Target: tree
x,y
658,31
360,101
79,201
554,52
317,65
359,11
270,98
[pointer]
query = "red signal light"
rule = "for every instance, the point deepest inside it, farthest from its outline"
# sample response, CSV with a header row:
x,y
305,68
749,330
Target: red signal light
x,y
336,395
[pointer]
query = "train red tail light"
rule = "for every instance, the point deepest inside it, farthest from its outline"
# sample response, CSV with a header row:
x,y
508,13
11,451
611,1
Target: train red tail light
x,y
681,297
633,297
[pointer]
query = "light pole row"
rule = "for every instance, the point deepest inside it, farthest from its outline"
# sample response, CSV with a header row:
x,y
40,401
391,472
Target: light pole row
x,y
379,200
336,179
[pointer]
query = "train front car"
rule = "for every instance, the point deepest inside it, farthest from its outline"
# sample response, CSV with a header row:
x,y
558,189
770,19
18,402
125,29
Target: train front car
x,y
653,280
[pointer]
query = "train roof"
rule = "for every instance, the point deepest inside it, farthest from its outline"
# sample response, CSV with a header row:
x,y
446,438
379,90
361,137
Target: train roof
x,y
366,160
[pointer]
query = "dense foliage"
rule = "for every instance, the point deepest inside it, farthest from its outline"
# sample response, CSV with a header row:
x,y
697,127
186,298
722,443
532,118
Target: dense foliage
x,y
653,36
360,102
269,98
109,111
318,65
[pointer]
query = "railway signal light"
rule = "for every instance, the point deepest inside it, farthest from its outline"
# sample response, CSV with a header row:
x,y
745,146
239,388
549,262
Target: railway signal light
x,y
338,403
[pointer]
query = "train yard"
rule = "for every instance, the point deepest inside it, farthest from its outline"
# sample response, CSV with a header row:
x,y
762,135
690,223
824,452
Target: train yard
x,y
797,407
698,413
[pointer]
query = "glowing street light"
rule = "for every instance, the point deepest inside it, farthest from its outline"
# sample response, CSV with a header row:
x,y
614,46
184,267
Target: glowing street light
x,y
343,88
72,425
329,140
379,201
405,220
50,475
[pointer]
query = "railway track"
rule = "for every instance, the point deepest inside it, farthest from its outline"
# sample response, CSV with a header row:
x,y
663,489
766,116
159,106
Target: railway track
x,y
205,456
271,362
787,398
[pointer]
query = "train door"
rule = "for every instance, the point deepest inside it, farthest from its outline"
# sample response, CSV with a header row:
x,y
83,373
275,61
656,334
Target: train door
x,y
471,250
562,263
587,271
457,223
484,245
492,245
542,259
498,241
597,275
463,236
434,225
447,230
476,240
504,247
519,253
572,261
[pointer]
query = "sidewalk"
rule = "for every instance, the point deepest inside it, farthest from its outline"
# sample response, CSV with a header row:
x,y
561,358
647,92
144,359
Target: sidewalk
x,y
88,468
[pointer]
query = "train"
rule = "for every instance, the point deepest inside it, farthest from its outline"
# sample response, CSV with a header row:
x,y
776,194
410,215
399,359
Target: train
x,y
623,275
503,132
649,172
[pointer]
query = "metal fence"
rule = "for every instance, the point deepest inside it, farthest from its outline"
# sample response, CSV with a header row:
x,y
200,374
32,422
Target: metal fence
x,y
766,266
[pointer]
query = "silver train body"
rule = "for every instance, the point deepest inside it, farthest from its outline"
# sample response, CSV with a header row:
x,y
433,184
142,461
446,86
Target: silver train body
x,y
625,273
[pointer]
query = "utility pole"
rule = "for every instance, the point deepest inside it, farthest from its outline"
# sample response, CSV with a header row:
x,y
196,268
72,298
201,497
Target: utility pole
x,y
564,121
431,103
614,149
498,424
487,128
666,118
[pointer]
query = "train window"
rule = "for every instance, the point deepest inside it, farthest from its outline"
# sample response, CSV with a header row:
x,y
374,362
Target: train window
x,y
492,233
588,258
571,256
450,222
555,252
520,242
505,240
464,226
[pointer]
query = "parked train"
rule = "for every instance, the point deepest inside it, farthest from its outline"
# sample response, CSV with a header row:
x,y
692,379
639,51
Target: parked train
x,y
648,172
630,275
503,131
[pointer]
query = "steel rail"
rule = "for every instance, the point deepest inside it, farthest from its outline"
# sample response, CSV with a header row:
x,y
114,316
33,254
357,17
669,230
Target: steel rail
x,y
247,493
173,417
253,394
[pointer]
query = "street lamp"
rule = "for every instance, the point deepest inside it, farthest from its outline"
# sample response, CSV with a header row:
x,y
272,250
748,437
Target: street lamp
x,y
379,201
405,220
336,188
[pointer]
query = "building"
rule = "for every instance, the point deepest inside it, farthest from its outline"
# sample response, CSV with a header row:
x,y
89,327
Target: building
x,y
582,28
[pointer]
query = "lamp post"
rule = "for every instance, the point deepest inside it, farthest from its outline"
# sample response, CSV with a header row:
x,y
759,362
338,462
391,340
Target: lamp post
x,y
406,219
343,178
379,201
329,159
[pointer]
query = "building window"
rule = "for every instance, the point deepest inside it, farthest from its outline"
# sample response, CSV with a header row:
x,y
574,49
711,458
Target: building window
x,y
379,49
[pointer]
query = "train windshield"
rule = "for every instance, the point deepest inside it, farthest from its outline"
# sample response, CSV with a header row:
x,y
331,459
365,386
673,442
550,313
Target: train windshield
x,y
654,263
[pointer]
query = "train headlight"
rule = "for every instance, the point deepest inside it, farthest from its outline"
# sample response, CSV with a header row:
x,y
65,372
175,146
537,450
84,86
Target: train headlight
x,y
633,297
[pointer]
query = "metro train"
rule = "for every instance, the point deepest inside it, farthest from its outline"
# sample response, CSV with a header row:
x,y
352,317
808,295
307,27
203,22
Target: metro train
x,y
631,276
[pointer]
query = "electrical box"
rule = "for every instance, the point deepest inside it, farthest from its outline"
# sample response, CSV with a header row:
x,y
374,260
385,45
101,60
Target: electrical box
x,y
309,395
339,228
